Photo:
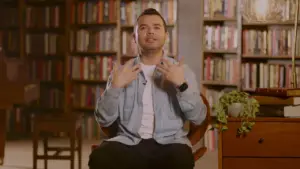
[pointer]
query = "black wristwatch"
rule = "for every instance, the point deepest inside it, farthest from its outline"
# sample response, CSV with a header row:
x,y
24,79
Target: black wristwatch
x,y
183,87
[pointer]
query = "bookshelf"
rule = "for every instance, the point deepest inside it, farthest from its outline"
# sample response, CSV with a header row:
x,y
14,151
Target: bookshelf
x,y
10,47
70,46
262,47
220,57
10,28
270,61
44,42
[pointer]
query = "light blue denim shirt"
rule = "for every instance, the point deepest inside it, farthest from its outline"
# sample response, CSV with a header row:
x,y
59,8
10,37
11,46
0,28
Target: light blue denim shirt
x,y
171,107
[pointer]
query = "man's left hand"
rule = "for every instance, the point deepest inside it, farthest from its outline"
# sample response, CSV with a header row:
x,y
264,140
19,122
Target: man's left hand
x,y
172,72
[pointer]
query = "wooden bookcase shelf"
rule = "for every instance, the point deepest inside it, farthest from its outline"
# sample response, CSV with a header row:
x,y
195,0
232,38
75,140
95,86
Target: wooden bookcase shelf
x,y
220,49
70,46
262,51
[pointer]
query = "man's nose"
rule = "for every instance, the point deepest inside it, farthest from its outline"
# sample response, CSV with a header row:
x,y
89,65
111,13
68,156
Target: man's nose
x,y
150,31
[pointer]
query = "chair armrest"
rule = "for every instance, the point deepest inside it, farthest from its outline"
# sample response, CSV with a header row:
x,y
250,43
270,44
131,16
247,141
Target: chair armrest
x,y
196,132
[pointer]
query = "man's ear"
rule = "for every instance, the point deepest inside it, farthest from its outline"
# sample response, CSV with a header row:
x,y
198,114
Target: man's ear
x,y
167,36
133,36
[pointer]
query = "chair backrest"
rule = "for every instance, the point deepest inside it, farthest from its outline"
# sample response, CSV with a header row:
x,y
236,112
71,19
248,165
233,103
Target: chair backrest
x,y
14,78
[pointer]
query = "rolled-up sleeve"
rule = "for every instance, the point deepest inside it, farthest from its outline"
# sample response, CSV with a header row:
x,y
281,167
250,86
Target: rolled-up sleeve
x,y
106,111
190,101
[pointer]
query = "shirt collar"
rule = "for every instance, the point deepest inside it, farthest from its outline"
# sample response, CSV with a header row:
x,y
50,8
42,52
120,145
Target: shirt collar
x,y
138,58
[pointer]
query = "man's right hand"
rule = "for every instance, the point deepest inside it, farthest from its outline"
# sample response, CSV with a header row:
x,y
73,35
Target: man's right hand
x,y
122,76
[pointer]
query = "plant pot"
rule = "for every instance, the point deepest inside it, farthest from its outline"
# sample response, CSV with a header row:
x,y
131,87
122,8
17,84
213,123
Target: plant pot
x,y
235,109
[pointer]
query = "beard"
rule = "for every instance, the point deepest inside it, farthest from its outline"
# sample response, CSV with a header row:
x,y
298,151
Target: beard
x,y
151,47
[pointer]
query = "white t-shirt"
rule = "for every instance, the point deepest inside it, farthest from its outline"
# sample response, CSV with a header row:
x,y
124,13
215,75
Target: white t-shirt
x,y
147,127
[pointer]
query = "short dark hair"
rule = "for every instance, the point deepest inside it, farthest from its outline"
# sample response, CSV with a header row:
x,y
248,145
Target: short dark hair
x,y
152,11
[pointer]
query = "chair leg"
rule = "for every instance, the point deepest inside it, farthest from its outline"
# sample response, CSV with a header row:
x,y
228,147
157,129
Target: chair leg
x,y
79,146
35,148
72,142
45,141
2,134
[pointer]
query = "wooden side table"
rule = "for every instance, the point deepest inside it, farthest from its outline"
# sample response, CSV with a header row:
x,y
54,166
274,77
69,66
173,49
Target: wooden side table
x,y
272,143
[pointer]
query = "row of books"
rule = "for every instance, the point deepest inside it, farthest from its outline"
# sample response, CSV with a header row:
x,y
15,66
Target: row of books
x,y
130,10
276,41
129,46
220,37
44,44
46,70
286,9
94,12
10,41
85,96
103,39
11,15
228,8
44,17
268,75
253,74
221,70
96,68
217,8
90,41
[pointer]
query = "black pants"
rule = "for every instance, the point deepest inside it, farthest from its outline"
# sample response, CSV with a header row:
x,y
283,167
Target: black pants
x,y
148,154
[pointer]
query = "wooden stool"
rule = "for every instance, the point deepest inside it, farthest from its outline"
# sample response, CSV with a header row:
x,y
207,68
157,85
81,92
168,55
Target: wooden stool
x,y
57,123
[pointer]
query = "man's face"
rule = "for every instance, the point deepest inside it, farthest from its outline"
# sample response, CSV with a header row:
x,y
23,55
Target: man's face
x,y
150,33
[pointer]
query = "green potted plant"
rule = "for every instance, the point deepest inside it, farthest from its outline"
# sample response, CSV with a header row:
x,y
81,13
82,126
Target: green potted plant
x,y
236,104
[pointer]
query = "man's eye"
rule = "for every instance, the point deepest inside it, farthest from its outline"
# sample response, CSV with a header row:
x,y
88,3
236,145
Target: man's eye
x,y
157,27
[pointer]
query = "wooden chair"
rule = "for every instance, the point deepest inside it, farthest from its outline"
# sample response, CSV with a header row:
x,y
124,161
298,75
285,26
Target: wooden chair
x,y
70,124
16,88
195,132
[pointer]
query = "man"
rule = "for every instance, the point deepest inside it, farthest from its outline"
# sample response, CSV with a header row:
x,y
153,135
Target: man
x,y
149,98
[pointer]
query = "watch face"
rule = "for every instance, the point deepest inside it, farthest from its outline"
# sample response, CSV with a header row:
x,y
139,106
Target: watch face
x,y
183,87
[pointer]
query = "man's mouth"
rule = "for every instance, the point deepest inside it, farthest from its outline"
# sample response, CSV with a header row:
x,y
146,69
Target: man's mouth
x,y
150,40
